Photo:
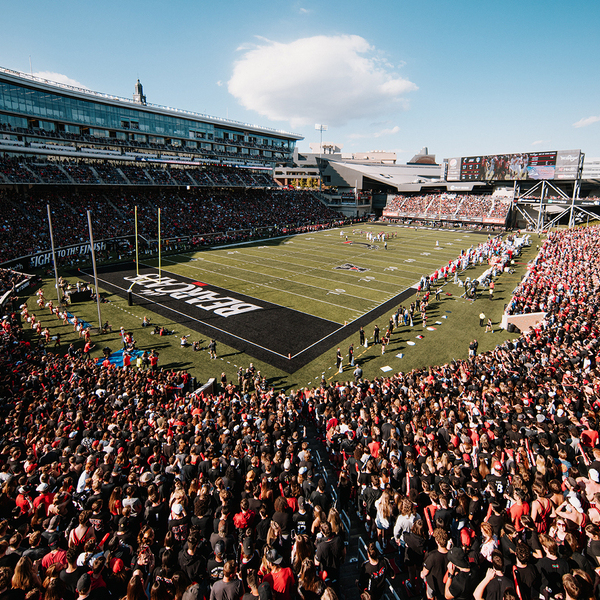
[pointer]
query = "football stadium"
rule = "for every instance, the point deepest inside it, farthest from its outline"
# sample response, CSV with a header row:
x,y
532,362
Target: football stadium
x,y
221,380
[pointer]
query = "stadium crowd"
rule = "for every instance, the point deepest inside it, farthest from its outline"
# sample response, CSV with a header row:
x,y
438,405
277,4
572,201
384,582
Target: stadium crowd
x,y
476,479
35,170
475,206
455,206
195,212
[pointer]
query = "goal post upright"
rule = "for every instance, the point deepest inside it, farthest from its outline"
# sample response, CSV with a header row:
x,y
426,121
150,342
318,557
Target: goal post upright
x,y
137,255
159,250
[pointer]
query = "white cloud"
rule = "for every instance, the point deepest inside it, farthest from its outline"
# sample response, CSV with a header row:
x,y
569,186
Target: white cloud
x,y
220,83
586,122
377,134
304,11
60,78
322,79
540,142
384,132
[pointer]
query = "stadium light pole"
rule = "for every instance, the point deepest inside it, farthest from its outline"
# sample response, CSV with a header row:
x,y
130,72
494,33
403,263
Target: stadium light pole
x,y
320,128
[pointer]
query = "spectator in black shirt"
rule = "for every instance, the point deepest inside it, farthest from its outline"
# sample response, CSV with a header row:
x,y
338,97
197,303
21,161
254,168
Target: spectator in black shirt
x,y
525,575
320,497
496,519
330,552
434,567
251,584
301,519
495,583
249,562
415,542
191,561
71,574
461,580
444,513
551,568
216,564
374,573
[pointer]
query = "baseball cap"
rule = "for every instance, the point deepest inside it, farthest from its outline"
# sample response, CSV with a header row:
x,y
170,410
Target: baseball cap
x,y
220,547
247,546
594,475
497,466
177,509
466,536
273,556
457,556
146,477
84,583
264,591
117,565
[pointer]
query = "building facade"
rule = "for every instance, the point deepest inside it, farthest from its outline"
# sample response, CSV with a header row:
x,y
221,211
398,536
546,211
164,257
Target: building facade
x,y
31,107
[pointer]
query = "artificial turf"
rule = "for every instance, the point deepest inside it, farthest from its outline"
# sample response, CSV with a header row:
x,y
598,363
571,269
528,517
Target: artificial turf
x,y
301,274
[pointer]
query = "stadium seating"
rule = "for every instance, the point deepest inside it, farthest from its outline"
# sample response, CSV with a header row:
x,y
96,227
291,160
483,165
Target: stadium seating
x,y
192,213
456,207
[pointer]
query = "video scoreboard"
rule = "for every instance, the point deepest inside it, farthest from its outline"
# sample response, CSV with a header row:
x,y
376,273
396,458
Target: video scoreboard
x,y
557,164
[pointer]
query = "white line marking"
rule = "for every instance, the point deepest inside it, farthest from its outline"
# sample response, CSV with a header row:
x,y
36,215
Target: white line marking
x,y
266,286
194,319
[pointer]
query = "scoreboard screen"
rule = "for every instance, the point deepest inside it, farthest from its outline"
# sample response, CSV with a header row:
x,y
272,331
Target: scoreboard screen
x,y
510,167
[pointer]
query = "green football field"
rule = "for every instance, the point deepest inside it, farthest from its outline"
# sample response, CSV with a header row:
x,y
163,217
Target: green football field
x,y
313,274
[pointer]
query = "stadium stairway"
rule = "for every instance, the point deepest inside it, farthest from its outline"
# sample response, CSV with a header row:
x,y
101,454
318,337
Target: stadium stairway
x,y
34,177
120,172
95,174
356,538
64,172
117,210
324,468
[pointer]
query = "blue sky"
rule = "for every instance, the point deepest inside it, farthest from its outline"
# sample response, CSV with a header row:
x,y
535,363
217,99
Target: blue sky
x,y
460,77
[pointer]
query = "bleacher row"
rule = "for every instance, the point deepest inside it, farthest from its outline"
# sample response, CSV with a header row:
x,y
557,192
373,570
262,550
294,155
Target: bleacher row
x,y
195,212
38,170
455,206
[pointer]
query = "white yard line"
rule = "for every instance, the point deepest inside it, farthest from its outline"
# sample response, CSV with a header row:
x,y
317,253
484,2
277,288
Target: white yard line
x,y
275,288
245,260
187,316
261,285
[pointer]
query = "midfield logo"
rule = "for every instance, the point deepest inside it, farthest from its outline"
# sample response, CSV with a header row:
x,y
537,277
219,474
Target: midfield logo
x,y
350,267
368,246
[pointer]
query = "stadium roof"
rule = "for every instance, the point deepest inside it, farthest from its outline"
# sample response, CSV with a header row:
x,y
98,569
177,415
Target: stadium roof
x,y
392,175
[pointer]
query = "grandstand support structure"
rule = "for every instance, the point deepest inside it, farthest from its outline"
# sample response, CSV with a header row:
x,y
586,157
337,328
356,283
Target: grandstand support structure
x,y
538,198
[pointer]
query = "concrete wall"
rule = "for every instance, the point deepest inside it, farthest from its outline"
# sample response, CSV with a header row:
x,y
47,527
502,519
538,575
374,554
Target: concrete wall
x,y
523,322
